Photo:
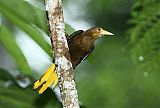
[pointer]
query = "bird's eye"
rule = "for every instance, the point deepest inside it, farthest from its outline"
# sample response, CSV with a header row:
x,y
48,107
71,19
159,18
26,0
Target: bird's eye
x,y
99,29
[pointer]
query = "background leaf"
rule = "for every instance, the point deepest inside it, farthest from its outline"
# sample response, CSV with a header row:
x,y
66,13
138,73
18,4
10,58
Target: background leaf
x,y
31,30
8,42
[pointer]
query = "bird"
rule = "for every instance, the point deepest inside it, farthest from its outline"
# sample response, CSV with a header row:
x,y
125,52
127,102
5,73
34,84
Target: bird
x,y
81,45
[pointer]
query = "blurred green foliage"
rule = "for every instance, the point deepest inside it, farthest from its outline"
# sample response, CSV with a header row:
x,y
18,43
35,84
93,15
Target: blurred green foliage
x,y
145,34
9,43
122,72
12,95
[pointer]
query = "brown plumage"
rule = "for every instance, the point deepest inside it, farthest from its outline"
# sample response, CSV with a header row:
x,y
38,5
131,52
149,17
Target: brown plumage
x,y
81,44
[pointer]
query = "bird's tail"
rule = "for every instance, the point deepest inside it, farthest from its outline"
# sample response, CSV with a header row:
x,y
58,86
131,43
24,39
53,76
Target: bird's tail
x,y
48,78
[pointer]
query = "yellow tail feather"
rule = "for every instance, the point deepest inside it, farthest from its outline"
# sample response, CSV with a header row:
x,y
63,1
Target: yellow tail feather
x,y
48,78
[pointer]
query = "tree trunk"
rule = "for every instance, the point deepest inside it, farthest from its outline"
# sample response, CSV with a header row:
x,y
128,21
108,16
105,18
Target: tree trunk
x,y
61,54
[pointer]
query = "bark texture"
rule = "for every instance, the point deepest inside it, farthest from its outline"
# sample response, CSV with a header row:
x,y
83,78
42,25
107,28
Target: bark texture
x,y
61,54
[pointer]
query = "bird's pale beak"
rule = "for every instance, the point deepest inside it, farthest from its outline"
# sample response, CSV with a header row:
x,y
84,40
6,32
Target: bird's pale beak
x,y
104,32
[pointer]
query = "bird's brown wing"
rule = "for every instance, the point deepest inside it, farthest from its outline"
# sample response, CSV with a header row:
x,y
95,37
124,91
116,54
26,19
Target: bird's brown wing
x,y
76,33
83,57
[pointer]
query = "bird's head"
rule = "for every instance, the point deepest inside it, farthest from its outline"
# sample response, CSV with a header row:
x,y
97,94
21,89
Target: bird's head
x,y
96,32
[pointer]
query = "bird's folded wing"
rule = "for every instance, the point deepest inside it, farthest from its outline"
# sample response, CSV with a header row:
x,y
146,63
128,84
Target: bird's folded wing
x,y
76,33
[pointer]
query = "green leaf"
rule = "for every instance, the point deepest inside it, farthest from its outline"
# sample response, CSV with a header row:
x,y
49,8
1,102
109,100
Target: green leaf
x,y
4,75
69,29
31,30
7,40
24,9
13,96
144,35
